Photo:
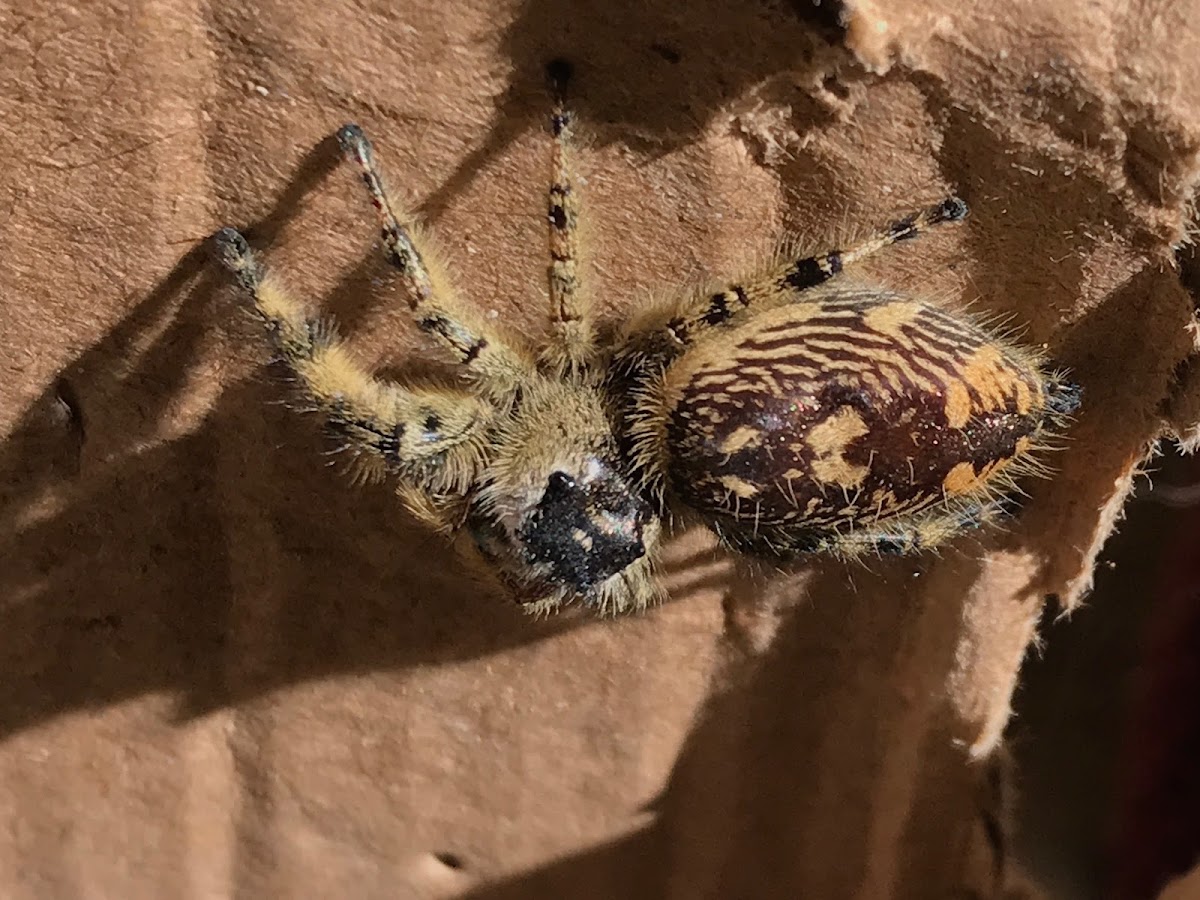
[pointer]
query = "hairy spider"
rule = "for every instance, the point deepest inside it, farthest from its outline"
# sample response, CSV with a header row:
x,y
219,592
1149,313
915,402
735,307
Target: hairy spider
x,y
790,412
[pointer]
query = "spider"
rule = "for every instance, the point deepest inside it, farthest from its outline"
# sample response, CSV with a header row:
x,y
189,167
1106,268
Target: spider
x,y
791,411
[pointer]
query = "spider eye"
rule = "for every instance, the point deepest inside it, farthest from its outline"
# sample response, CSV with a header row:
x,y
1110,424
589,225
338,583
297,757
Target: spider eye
x,y
559,482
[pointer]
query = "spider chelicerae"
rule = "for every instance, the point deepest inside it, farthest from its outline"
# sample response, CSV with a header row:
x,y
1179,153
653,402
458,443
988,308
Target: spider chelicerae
x,y
790,411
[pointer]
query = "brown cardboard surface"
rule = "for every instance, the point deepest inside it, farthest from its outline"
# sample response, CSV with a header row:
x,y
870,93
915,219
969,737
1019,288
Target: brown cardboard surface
x,y
228,672
1186,887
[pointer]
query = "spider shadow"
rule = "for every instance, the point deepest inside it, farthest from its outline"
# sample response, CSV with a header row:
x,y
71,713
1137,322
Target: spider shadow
x,y
648,74
220,562
847,694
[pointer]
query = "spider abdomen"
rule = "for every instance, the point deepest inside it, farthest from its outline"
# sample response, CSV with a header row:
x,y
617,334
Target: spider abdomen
x,y
854,410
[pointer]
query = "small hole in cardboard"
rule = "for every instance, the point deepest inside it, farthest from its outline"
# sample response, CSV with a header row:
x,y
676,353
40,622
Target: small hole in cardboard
x,y
450,860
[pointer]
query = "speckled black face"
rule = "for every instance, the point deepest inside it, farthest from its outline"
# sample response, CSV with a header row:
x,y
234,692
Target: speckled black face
x,y
585,528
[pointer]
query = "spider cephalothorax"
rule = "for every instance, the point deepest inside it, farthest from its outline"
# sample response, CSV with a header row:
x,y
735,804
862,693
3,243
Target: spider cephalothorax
x,y
788,411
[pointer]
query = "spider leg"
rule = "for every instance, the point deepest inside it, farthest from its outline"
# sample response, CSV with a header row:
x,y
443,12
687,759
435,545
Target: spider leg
x,y
431,434
495,361
572,343
810,271
921,531
675,328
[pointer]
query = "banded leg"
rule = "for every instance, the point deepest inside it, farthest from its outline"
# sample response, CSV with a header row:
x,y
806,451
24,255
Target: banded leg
x,y
495,361
780,283
572,342
926,531
434,435
813,270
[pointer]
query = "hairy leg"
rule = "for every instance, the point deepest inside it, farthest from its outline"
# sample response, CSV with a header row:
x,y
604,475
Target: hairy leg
x,y
497,362
433,435
669,332
572,342
926,530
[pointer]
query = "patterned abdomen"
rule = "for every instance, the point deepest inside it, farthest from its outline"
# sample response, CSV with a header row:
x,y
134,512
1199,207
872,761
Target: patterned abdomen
x,y
849,411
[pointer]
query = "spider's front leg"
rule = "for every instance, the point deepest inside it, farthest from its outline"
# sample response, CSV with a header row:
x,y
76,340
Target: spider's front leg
x,y
431,435
497,363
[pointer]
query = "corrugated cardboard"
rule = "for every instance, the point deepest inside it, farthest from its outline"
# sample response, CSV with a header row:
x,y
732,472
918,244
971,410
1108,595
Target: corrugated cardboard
x,y
227,672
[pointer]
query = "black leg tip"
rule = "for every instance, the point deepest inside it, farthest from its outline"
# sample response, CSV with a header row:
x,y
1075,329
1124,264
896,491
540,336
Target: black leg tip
x,y
952,209
352,139
559,72
230,248
896,545
1063,397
